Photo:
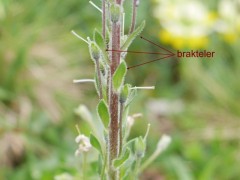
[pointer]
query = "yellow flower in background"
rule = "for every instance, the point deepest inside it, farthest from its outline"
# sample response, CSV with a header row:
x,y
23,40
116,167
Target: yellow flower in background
x,y
229,19
186,24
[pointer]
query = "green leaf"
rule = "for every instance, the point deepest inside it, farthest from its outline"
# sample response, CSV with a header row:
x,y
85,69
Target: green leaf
x,y
131,96
125,92
132,36
130,143
118,76
140,147
119,162
126,168
103,113
95,143
97,36
99,40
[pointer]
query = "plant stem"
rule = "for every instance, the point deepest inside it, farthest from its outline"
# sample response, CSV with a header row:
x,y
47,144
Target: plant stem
x,y
104,166
114,102
135,172
99,79
107,88
134,12
104,19
120,127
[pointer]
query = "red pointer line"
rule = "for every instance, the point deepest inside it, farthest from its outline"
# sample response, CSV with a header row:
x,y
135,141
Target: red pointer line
x,y
156,45
150,61
137,52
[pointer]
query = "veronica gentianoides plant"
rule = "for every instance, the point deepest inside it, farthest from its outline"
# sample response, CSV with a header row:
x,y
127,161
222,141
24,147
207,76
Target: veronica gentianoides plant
x,y
119,157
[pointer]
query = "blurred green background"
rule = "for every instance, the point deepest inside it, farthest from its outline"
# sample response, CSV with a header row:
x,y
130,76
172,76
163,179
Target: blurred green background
x,y
196,101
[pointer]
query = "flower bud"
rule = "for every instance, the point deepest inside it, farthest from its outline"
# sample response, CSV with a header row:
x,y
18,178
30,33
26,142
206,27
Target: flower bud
x,y
94,51
140,147
84,144
163,143
137,3
124,93
115,11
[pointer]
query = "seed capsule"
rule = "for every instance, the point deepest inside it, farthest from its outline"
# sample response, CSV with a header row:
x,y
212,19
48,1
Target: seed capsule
x,y
115,11
94,51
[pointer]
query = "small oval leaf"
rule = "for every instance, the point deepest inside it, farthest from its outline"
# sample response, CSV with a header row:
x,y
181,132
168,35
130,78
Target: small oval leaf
x,y
140,147
124,93
98,39
131,96
103,113
119,162
95,143
119,75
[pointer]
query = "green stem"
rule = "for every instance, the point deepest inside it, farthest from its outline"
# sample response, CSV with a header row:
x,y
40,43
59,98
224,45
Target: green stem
x,y
104,166
149,160
104,19
99,79
135,172
134,12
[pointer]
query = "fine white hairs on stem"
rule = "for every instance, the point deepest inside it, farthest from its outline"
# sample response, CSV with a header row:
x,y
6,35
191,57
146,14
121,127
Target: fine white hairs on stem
x,y
123,22
94,5
79,37
83,80
146,87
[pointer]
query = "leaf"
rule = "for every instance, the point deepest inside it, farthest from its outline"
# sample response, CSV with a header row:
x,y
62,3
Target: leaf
x,y
97,36
99,40
95,143
130,143
132,36
103,113
140,147
124,93
126,170
131,96
118,76
119,162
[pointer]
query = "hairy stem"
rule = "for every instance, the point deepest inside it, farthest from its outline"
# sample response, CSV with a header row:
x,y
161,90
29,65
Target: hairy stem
x,y
134,14
114,102
120,127
104,19
99,79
